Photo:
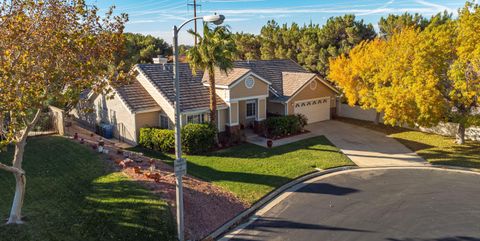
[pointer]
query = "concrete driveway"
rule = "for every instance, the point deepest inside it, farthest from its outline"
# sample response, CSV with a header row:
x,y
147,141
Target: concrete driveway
x,y
391,204
365,147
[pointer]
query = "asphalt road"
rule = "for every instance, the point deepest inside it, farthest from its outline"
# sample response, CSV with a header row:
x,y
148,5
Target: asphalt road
x,y
392,205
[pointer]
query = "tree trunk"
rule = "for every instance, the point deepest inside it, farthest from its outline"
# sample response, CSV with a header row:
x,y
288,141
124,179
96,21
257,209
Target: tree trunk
x,y
377,118
213,97
16,211
461,133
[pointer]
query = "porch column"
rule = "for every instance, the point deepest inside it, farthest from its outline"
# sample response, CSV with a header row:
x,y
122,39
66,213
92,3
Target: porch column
x,y
233,127
233,118
261,109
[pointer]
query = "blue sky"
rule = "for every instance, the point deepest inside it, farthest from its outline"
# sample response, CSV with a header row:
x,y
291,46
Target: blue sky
x,y
157,17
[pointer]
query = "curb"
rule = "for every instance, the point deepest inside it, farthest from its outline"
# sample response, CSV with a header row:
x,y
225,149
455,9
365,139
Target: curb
x,y
272,195
266,201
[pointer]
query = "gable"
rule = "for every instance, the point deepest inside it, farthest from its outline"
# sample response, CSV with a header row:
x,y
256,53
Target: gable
x,y
239,90
308,93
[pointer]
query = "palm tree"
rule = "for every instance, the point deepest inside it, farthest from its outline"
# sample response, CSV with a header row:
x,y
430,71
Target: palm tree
x,y
215,49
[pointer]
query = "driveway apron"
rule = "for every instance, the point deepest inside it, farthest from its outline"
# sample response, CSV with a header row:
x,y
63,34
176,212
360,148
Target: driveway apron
x,y
365,147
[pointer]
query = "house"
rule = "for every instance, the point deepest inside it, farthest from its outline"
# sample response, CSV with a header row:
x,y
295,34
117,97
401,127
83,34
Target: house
x,y
246,95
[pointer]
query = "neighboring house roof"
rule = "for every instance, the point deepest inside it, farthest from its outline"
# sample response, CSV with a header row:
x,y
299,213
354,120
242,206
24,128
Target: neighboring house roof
x,y
193,94
136,97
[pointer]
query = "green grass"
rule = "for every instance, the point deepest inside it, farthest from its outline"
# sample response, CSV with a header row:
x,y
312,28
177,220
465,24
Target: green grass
x,y
251,171
434,148
71,195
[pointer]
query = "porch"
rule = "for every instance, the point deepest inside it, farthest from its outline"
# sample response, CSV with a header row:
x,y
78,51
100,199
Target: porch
x,y
245,114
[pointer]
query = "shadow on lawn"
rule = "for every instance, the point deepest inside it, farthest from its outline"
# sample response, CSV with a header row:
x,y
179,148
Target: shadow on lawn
x,y
72,197
123,210
210,174
248,150
413,145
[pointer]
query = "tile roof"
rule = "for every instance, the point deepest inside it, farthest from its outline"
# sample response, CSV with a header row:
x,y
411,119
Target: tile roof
x,y
293,81
222,78
193,94
286,77
272,70
136,97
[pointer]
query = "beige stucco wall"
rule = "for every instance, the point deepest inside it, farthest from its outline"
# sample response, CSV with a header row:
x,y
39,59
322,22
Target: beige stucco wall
x,y
150,119
233,113
275,108
262,106
114,112
241,91
224,94
307,93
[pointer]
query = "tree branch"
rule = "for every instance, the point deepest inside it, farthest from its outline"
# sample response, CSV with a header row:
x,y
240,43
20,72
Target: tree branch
x,y
12,169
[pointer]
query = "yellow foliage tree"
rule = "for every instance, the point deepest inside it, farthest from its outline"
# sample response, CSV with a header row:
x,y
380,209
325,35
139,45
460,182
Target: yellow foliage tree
x,y
465,69
355,73
417,77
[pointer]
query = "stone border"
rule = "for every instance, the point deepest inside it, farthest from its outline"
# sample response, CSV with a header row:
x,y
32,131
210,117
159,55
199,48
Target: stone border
x,y
268,198
275,197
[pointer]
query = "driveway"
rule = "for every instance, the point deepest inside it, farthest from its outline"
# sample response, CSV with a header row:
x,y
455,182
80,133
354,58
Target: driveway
x,y
365,147
393,204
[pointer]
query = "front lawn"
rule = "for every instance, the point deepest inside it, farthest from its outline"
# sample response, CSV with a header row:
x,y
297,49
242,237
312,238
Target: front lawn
x,y
251,171
434,148
71,195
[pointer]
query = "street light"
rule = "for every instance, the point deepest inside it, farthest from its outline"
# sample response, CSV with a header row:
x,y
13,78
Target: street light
x,y
180,164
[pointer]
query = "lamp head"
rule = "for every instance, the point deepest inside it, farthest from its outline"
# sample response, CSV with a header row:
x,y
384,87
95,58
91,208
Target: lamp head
x,y
215,19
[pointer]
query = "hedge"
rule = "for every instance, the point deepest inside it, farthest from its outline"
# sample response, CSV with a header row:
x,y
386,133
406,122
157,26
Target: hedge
x,y
157,139
196,138
280,126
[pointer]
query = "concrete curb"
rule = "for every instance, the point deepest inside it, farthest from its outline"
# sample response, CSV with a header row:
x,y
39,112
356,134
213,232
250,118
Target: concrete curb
x,y
269,197
274,197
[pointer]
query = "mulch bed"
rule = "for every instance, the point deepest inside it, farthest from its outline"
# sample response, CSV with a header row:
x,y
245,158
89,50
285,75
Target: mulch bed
x,y
207,206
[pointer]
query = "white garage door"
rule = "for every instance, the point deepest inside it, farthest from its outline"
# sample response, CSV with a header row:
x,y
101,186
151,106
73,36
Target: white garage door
x,y
315,110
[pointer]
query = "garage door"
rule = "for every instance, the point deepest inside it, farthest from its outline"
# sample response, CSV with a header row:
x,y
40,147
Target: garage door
x,y
315,110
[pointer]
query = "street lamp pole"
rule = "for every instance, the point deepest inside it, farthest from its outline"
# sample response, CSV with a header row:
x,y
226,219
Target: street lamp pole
x,y
180,164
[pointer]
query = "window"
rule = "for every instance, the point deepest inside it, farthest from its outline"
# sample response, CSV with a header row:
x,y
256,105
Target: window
x,y
251,109
249,82
164,122
313,85
195,119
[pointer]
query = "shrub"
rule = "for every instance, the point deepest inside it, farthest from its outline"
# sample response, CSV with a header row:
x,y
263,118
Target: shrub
x,y
145,138
284,125
303,120
163,140
198,138
157,139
